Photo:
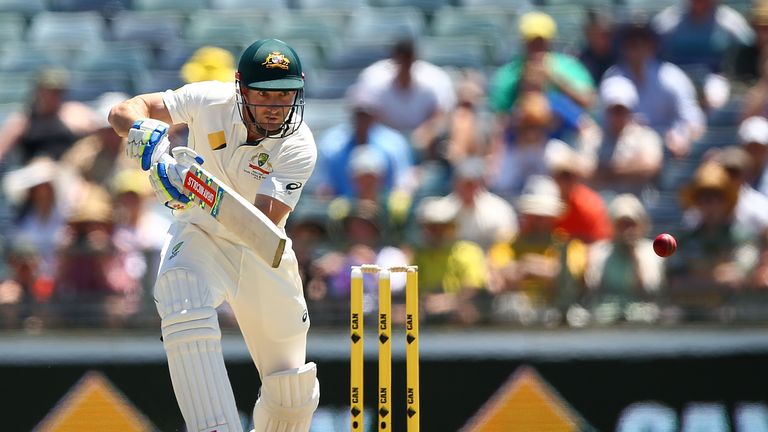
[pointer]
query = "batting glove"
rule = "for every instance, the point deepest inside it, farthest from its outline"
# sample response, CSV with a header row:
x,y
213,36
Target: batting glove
x,y
147,141
167,178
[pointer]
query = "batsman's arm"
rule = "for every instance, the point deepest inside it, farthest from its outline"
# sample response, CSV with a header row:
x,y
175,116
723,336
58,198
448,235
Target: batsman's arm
x,y
149,105
275,210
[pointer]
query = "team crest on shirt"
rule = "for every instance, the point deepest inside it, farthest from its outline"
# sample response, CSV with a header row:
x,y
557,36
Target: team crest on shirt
x,y
276,59
259,166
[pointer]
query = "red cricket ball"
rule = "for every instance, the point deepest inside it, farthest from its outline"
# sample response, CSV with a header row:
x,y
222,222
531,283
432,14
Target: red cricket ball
x,y
664,245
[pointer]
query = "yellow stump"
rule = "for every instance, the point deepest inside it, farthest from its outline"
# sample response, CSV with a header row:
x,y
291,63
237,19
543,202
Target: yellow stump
x,y
356,348
385,350
412,348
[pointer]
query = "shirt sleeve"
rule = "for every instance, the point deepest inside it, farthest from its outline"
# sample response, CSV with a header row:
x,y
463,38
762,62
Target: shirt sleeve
x,y
291,172
503,88
575,73
184,103
688,110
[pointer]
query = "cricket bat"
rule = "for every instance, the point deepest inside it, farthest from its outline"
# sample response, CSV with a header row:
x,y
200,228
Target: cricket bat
x,y
235,213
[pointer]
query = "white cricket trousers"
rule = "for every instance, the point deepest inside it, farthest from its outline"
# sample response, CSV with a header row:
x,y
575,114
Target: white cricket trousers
x,y
197,273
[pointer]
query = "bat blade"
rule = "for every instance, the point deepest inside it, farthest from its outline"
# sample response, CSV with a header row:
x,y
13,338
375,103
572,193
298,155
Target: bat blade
x,y
236,214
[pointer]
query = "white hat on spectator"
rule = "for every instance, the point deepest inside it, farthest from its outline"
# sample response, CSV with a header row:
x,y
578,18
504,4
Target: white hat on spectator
x,y
754,130
39,170
540,197
365,159
436,210
361,100
618,90
628,206
103,105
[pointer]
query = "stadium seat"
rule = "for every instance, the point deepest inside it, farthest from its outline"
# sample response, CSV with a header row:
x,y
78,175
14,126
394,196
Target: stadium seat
x,y
386,23
158,81
426,6
153,29
493,25
570,21
67,29
88,86
12,27
15,87
249,5
227,27
186,6
113,57
329,84
106,7
714,137
459,52
21,57
356,53
675,172
517,5
321,114
330,5
25,7
172,56
309,53
315,26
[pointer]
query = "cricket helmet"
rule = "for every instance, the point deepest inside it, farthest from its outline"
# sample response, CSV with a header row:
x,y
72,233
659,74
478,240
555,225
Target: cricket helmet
x,y
272,65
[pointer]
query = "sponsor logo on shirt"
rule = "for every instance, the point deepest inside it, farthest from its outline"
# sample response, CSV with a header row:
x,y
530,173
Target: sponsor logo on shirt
x,y
175,250
259,166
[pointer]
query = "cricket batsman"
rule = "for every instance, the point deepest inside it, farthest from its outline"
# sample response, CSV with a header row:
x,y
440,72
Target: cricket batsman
x,y
251,136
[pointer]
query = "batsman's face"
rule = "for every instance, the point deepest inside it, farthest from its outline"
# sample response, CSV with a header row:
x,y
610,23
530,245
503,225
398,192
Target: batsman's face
x,y
269,108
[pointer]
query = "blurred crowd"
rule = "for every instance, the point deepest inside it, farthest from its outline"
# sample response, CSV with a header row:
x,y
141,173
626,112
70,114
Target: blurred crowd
x,y
526,195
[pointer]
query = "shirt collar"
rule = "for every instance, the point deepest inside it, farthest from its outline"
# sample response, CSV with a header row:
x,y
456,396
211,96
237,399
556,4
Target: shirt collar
x,y
267,143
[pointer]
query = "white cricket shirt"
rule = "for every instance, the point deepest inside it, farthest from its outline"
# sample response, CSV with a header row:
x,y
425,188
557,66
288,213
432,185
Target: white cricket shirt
x,y
277,167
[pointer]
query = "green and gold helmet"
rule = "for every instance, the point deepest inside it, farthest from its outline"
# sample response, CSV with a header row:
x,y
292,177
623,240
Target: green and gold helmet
x,y
272,65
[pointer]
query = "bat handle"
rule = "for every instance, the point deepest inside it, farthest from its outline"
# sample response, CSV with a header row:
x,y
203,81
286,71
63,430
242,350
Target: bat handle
x,y
186,157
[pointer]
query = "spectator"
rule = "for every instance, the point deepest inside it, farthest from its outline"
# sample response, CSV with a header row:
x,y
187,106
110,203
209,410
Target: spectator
x,y
570,122
561,72
599,53
700,34
337,144
483,217
361,241
49,125
367,167
522,154
539,273
26,290
585,216
107,293
718,256
42,193
466,135
99,155
139,229
751,212
412,95
666,97
631,154
749,60
624,271
452,273
753,134
209,63
308,229
756,98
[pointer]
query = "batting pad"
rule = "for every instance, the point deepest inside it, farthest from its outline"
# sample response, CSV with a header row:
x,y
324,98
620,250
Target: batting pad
x,y
192,341
287,401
